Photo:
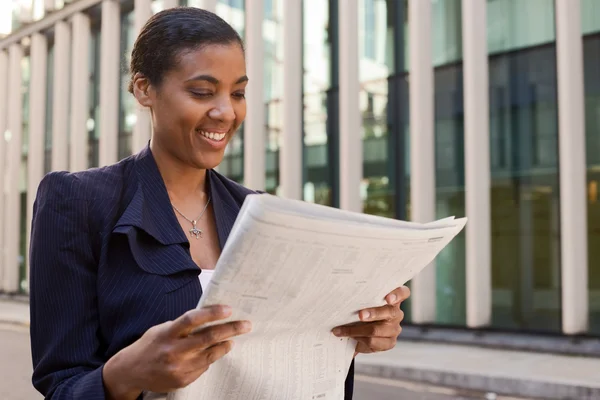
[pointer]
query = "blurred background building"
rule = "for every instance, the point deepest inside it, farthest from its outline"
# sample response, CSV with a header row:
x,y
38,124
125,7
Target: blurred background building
x,y
409,109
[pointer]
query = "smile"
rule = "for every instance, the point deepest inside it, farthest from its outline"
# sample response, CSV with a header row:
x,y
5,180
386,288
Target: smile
x,y
213,135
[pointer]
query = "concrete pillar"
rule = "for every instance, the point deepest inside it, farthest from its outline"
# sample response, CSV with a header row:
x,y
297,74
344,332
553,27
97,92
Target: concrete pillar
x,y
37,125
477,163
422,148
4,101
254,127
109,82
211,5
290,152
78,159
170,4
49,5
350,150
60,96
12,209
571,139
143,125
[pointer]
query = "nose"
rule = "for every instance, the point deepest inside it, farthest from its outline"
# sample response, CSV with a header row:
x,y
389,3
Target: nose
x,y
223,110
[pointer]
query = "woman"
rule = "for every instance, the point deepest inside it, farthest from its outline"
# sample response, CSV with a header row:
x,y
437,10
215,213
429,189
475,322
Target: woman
x,y
116,251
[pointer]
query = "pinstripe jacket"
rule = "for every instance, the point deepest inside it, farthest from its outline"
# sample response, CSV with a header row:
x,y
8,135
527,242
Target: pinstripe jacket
x,y
108,261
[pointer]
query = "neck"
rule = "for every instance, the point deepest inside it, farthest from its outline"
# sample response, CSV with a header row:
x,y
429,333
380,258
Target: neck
x,y
181,179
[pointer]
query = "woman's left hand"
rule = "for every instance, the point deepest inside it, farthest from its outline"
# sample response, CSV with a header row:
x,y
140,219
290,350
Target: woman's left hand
x,y
379,327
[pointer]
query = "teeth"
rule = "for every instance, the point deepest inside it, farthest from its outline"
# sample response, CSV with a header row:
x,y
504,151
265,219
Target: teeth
x,y
212,135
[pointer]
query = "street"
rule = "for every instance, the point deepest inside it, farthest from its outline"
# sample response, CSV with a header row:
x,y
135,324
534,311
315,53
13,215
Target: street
x,y
15,370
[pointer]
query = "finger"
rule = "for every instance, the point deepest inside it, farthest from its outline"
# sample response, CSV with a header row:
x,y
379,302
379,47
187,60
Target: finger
x,y
374,344
376,329
212,354
216,334
383,313
192,319
398,295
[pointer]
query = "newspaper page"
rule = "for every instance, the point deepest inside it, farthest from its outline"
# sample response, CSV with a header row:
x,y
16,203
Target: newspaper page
x,y
296,271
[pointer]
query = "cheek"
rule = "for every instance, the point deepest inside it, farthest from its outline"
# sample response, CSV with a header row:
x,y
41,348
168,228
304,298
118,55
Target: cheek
x,y
240,112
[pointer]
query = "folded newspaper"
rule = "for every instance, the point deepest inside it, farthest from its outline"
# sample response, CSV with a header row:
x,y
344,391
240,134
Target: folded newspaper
x,y
297,270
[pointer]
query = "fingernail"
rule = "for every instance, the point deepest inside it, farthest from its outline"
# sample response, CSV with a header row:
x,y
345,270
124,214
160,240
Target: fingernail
x,y
365,315
247,326
392,298
337,331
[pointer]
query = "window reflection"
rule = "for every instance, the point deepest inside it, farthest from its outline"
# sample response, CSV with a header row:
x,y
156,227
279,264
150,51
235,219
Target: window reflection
x,y
93,122
25,90
377,34
590,17
273,89
321,95
49,110
449,156
232,165
519,24
524,167
127,103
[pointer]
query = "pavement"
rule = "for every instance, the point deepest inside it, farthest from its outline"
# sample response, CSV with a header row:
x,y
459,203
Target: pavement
x,y
412,370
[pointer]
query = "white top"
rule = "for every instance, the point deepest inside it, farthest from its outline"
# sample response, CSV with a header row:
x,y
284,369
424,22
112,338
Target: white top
x,y
205,277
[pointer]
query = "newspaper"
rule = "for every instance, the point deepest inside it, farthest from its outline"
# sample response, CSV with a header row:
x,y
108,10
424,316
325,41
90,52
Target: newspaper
x,y
297,270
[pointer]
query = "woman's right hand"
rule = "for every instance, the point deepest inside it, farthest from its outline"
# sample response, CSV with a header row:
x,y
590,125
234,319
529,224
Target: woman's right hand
x,y
169,356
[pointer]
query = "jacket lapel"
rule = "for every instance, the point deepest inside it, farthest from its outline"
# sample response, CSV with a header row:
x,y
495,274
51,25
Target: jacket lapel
x,y
155,237
225,206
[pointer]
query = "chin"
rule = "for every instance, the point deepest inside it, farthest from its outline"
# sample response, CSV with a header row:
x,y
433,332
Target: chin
x,y
208,162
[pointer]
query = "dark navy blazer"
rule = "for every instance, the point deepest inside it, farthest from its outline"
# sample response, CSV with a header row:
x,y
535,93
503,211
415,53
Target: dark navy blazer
x,y
108,261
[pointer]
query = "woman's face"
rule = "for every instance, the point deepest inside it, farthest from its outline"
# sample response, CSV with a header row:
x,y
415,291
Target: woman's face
x,y
200,104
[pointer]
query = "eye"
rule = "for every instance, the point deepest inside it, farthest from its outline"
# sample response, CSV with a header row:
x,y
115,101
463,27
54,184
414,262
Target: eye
x,y
240,95
200,94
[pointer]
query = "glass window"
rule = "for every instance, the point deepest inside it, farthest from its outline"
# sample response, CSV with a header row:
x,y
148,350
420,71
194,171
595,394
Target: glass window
x,y
127,103
49,110
377,34
383,27
321,97
93,122
591,61
232,11
516,24
590,16
273,89
232,165
26,79
449,156
524,166
447,33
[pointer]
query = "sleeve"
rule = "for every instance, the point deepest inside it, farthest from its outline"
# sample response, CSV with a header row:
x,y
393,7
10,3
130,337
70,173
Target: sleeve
x,y
67,362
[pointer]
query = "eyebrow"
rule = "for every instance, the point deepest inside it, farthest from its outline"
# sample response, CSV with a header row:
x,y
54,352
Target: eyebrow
x,y
215,81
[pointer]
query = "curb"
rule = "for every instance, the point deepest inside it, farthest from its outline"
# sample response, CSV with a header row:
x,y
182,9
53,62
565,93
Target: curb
x,y
500,385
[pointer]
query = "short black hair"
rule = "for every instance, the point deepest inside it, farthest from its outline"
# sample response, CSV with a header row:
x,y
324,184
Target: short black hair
x,y
169,33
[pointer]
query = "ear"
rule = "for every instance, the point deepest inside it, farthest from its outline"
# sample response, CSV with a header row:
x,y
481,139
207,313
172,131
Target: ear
x,y
141,90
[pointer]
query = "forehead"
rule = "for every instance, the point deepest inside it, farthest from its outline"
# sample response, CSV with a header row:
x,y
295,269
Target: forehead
x,y
225,62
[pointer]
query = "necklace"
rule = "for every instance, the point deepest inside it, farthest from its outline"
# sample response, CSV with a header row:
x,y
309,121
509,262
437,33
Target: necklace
x,y
194,231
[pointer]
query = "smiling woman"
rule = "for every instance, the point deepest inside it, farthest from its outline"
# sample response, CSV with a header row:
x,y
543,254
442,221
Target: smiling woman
x,y
120,254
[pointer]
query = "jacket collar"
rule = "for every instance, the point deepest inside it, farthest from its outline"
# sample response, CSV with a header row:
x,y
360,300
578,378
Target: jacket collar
x,y
150,208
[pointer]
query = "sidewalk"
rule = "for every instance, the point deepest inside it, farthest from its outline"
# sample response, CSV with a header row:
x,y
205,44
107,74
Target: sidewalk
x,y
14,311
512,373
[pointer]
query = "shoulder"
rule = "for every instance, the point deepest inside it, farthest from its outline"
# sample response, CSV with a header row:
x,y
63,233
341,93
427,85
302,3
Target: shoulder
x,y
89,185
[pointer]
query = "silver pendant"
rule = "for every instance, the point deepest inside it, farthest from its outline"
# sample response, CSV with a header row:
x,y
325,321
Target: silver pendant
x,y
195,231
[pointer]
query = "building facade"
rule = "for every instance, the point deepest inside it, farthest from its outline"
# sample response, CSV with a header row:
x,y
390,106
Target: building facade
x,y
409,109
